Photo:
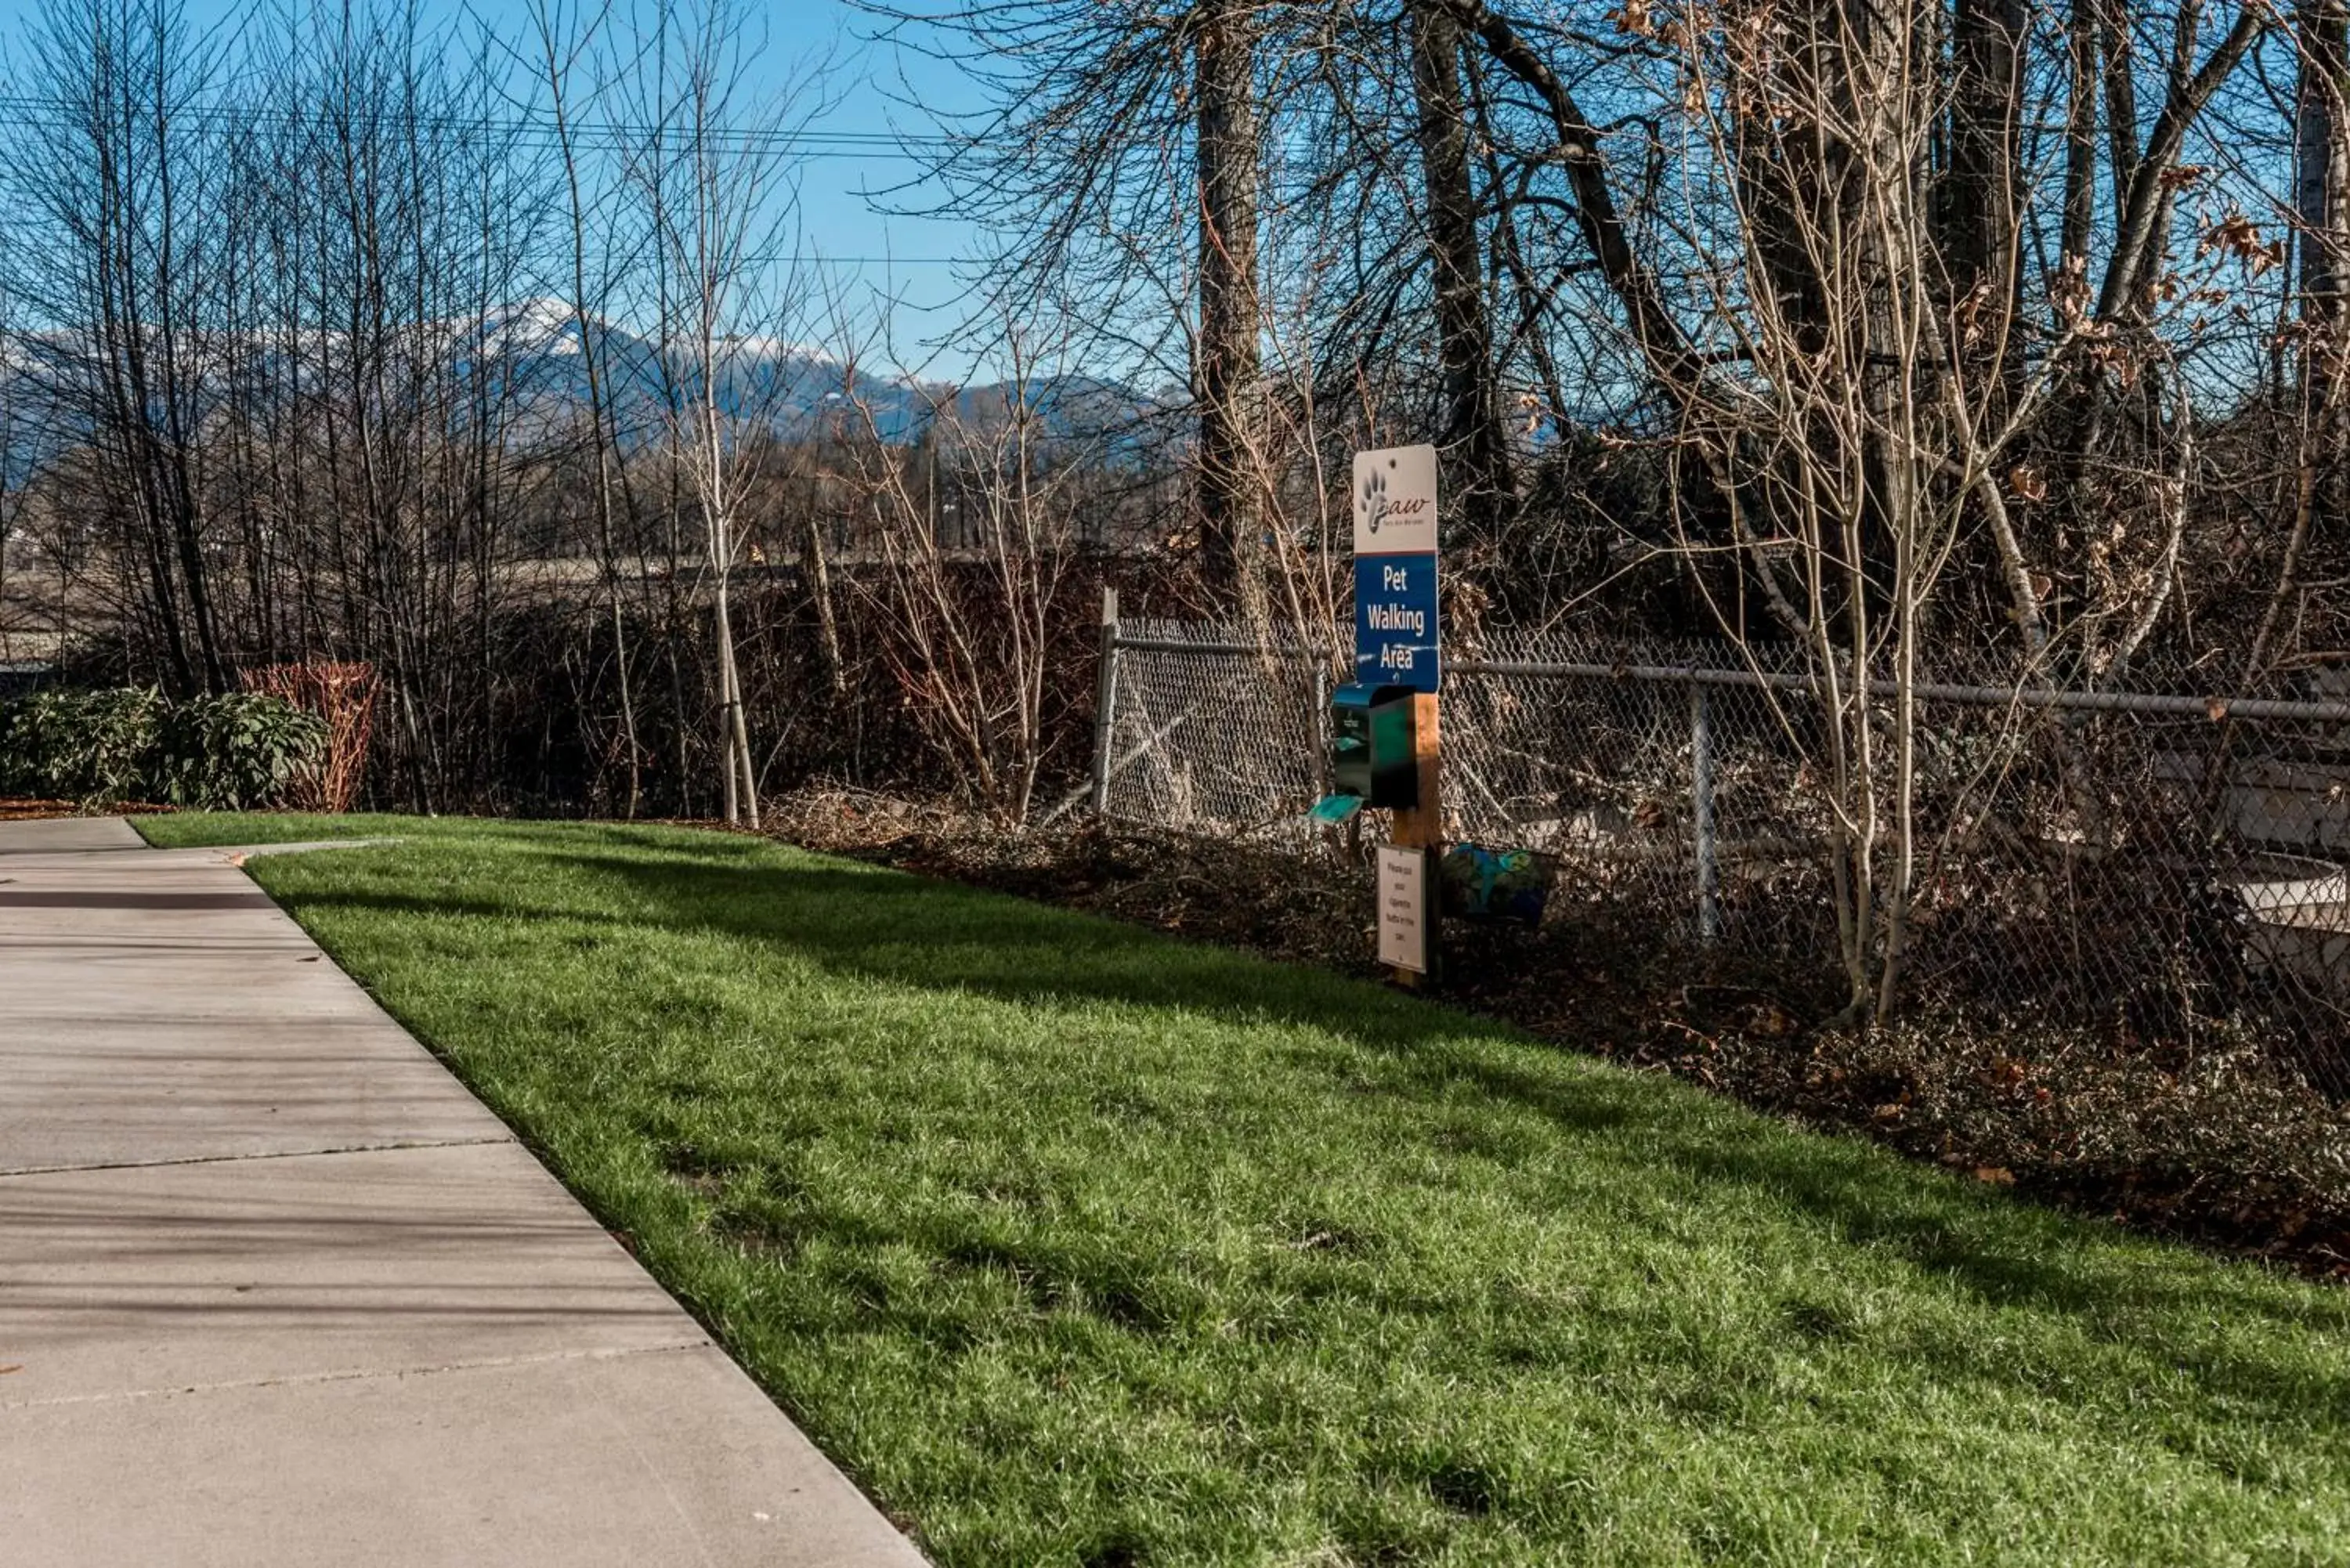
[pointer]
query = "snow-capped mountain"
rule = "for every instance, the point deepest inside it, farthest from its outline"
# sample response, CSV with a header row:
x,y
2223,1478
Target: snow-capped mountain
x,y
533,359
795,389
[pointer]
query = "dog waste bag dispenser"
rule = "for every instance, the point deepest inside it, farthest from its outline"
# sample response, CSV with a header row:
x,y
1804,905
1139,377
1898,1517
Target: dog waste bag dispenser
x,y
1371,754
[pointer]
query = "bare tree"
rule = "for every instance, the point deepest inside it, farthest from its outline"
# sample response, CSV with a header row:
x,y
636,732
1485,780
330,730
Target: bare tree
x,y
564,38
714,181
967,617
120,187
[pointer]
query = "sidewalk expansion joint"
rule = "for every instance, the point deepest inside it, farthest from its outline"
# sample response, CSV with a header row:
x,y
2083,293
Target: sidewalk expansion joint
x,y
260,1155
358,1375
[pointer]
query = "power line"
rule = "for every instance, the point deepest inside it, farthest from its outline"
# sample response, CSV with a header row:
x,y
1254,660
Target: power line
x,y
539,131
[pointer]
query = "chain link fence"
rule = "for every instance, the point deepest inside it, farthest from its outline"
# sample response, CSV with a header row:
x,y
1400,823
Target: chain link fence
x,y
2171,871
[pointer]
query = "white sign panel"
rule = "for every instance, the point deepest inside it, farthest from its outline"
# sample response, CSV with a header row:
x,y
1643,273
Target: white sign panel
x,y
1403,907
1395,502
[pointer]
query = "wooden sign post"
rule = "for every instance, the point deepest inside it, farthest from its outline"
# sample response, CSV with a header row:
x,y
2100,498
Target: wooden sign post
x,y
1399,642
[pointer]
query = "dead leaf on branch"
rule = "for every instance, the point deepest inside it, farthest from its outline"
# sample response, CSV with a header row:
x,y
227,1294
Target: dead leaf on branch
x,y
1634,16
2238,237
2068,291
2026,484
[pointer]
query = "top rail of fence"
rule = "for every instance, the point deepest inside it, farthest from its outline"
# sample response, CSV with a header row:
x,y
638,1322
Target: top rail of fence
x,y
1287,652
2058,699
2213,707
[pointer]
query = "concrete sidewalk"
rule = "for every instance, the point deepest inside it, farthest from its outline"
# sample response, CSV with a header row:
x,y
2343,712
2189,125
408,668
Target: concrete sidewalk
x,y
275,1289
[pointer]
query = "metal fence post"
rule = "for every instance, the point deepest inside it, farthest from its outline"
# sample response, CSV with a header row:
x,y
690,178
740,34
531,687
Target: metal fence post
x,y
1315,722
1106,702
1709,902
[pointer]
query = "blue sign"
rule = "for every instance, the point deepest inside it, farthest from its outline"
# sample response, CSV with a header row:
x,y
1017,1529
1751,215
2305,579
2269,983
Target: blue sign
x,y
1395,621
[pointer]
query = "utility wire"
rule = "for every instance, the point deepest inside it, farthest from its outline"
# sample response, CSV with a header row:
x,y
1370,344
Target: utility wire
x,y
537,131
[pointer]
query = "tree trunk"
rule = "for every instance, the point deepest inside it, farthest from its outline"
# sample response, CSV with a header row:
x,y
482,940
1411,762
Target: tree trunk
x,y
2321,201
1473,435
816,566
2320,155
2080,132
1230,388
1980,198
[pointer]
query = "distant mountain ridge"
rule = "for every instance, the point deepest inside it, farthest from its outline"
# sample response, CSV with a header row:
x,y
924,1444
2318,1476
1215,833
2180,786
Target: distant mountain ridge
x,y
533,350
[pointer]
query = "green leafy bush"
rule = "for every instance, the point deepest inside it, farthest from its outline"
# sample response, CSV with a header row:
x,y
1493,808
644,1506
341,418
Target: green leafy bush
x,y
235,751
80,746
228,753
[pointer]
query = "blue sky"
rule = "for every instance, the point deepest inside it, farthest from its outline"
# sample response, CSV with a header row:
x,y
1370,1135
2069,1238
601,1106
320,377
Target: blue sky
x,y
872,84
838,219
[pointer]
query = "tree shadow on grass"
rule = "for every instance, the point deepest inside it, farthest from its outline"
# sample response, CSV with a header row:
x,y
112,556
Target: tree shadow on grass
x,y
908,932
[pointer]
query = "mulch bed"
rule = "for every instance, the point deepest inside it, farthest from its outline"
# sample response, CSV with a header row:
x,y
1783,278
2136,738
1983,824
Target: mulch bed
x,y
17,808
2222,1148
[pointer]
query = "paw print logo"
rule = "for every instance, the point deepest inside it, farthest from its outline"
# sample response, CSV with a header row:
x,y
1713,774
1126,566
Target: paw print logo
x,y
1375,499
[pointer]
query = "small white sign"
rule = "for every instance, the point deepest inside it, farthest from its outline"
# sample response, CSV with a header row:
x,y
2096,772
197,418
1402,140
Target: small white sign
x,y
1403,907
1395,502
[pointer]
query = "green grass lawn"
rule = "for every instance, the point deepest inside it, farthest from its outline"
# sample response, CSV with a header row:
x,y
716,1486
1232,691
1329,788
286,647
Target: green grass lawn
x,y
1078,1245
